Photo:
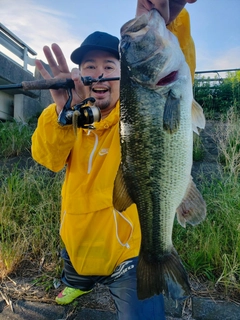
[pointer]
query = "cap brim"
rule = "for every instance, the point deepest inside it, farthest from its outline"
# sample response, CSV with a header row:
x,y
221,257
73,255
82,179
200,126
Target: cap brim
x,y
78,54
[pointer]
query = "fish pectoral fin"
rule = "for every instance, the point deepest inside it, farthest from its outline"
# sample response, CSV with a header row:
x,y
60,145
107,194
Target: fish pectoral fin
x,y
192,210
121,198
171,115
198,118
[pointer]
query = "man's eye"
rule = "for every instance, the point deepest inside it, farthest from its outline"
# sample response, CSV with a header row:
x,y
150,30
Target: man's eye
x,y
109,69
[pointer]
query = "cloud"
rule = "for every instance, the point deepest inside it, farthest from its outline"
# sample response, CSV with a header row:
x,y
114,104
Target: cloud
x,y
37,26
227,59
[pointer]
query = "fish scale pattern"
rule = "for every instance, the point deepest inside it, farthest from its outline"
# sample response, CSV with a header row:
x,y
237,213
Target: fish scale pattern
x,y
156,162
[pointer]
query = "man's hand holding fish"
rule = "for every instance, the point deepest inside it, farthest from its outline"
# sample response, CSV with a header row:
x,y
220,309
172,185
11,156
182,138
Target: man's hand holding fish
x,y
169,9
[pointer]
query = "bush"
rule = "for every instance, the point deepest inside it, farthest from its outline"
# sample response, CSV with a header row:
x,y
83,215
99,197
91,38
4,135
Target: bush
x,y
217,96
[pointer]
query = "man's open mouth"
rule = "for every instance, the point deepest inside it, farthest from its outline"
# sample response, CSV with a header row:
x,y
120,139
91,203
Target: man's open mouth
x,y
99,90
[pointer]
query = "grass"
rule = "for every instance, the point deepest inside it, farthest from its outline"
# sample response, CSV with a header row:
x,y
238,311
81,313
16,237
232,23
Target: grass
x,y
30,202
29,215
15,137
228,140
30,207
212,249
198,149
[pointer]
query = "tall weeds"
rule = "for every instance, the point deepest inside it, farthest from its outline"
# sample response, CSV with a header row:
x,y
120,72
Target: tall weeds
x,y
212,249
15,137
29,215
228,141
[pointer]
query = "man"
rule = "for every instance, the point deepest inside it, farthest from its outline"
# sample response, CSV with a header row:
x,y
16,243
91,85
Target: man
x,y
101,244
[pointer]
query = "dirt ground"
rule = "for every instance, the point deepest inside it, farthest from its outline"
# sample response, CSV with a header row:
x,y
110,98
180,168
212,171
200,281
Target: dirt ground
x,y
29,283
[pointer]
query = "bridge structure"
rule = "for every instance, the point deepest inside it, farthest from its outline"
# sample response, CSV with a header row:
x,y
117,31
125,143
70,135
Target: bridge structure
x,y
19,104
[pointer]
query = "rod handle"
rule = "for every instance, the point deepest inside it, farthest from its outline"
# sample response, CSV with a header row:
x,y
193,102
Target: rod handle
x,y
48,84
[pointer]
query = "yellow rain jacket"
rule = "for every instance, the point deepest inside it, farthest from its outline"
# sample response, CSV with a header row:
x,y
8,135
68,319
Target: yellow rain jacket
x,y
182,30
97,237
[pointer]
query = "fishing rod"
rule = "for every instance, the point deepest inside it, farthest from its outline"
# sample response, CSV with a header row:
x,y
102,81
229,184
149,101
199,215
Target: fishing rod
x,y
54,83
81,115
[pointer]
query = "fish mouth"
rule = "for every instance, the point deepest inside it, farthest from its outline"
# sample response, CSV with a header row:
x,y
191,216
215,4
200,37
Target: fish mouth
x,y
171,77
139,24
135,25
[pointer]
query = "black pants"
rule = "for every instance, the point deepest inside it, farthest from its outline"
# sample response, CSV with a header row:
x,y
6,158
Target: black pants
x,y
122,284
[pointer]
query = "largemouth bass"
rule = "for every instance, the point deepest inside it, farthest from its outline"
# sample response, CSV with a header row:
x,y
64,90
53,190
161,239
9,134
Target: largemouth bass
x,y
156,136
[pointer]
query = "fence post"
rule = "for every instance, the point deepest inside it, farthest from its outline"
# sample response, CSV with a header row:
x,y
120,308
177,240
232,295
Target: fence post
x,y
25,58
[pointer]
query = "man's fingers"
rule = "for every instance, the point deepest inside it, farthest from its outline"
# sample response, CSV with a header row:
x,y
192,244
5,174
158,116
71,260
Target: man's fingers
x,y
162,6
59,66
79,86
169,9
75,74
51,61
60,58
42,70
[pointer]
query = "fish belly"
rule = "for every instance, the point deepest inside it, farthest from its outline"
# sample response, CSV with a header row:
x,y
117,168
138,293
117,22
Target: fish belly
x,y
156,167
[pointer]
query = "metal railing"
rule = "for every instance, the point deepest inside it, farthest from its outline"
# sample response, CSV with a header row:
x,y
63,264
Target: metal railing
x,y
16,46
217,72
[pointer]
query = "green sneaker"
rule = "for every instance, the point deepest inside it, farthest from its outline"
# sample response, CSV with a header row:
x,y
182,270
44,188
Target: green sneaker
x,y
69,294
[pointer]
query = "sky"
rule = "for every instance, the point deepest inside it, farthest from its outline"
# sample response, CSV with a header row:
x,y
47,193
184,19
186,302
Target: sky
x,y
215,26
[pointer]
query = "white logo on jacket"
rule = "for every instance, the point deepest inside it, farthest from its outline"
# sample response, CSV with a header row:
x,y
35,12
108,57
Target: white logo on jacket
x,y
103,152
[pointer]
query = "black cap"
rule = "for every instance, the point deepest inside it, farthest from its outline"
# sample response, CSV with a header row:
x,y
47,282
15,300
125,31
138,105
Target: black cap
x,y
96,41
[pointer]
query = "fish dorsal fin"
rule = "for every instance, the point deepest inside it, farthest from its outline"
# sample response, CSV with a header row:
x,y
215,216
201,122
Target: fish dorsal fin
x,y
121,198
171,115
192,210
198,118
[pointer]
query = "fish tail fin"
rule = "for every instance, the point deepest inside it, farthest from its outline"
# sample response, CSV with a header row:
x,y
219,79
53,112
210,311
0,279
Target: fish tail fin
x,y
167,276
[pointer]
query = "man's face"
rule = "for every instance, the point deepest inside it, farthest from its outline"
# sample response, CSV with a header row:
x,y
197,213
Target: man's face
x,y
97,63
